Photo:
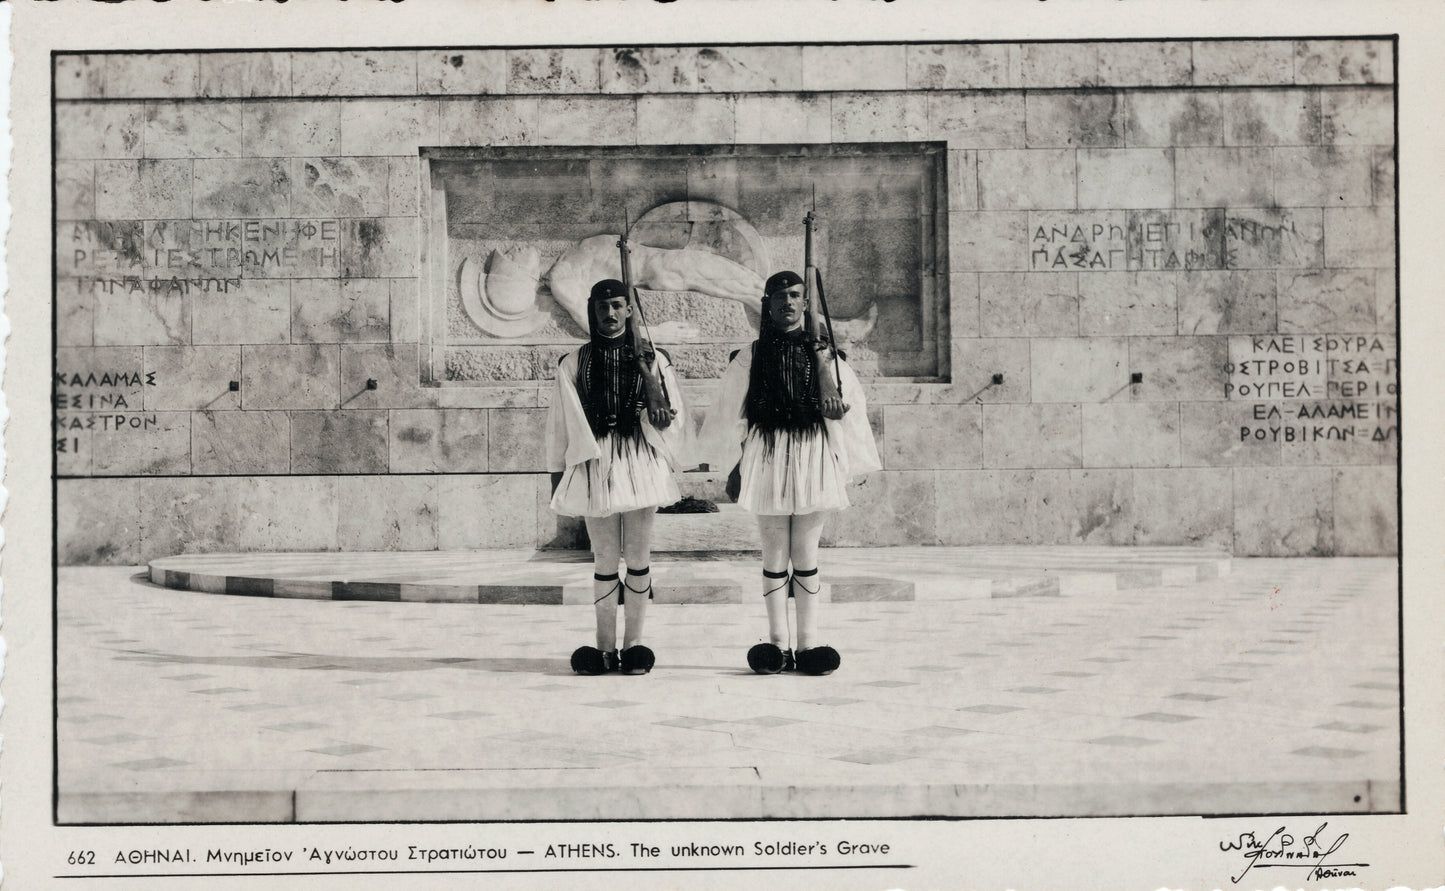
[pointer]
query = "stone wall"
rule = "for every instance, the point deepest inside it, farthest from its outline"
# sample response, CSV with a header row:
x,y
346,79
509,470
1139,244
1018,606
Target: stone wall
x,y
1178,256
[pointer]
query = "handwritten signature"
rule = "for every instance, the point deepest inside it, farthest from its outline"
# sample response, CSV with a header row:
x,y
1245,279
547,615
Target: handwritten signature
x,y
1281,849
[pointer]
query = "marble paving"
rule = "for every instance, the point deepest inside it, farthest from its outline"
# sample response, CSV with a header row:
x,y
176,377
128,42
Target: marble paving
x,y
1272,689
561,577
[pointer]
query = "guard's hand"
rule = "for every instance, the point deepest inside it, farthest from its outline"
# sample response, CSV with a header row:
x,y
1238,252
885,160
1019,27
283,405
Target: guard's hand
x,y
661,418
834,407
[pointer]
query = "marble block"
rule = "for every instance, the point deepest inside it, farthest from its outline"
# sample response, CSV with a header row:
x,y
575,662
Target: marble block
x,y
960,317
230,188
1027,179
1359,236
1272,237
377,127
931,437
1382,175
347,441
245,75
144,444
679,120
1221,434
432,440
192,377
1056,65
97,522
387,513
291,376
1358,116
1366,511
1167,119
1335,300
854,67
142,316
241,442
1079,369
1131,434
352,310
237,514
1227,302
79,76
1271,117
354,73
403,187
977,120
396,369
494,511
1032,304
192,130
880,117
341,187
461,71
1179,368
499,121
1343,62
1387,305
152,75
258,311
515,439
1034,507
545,71
1223,177
887,508
988,241
1157,516
649,69
385,247
1325,176
1128,303
74,190
1254,62
976,360
783,118
1356,431
144,189
1074,119
1135,177
587,122
1032,436
1284,512
74,313
749,69
963,180
90,130
1150,63
955,66
283,128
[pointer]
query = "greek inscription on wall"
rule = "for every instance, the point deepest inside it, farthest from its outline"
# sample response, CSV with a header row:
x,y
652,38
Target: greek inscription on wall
x,y
1316,387
190,249
1164,240
107,401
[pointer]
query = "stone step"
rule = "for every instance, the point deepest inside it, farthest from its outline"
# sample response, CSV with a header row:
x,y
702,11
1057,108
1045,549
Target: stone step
x,y
563,577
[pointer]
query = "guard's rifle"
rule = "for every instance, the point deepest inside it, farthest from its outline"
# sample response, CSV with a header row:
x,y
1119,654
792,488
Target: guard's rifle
x,y
830,390
654,390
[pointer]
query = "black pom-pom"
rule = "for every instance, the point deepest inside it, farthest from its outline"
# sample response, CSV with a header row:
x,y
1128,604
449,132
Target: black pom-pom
x,y
589,660
818,660
638,660
766,658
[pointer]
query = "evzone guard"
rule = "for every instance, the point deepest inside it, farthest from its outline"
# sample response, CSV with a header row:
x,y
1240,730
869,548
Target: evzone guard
x,y
612,446
790,413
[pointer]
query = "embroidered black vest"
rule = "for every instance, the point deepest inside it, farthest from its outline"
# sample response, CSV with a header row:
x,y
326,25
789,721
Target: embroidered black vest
x,y
610,387
783,384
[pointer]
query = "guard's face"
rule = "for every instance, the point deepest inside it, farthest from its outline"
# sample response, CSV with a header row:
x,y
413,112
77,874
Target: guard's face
x,y
785,307
611,315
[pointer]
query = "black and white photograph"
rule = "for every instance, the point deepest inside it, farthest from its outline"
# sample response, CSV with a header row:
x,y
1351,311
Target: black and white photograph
x,y
516,452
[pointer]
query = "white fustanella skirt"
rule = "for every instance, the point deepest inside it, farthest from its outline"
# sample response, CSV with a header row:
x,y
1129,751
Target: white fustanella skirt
x,y
791,472
630,475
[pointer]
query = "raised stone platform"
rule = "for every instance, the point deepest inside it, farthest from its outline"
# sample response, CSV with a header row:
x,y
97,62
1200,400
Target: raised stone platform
x,y
564,577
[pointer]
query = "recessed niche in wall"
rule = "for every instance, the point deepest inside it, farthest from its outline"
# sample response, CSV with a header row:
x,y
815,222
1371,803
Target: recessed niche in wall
x,y
517,236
